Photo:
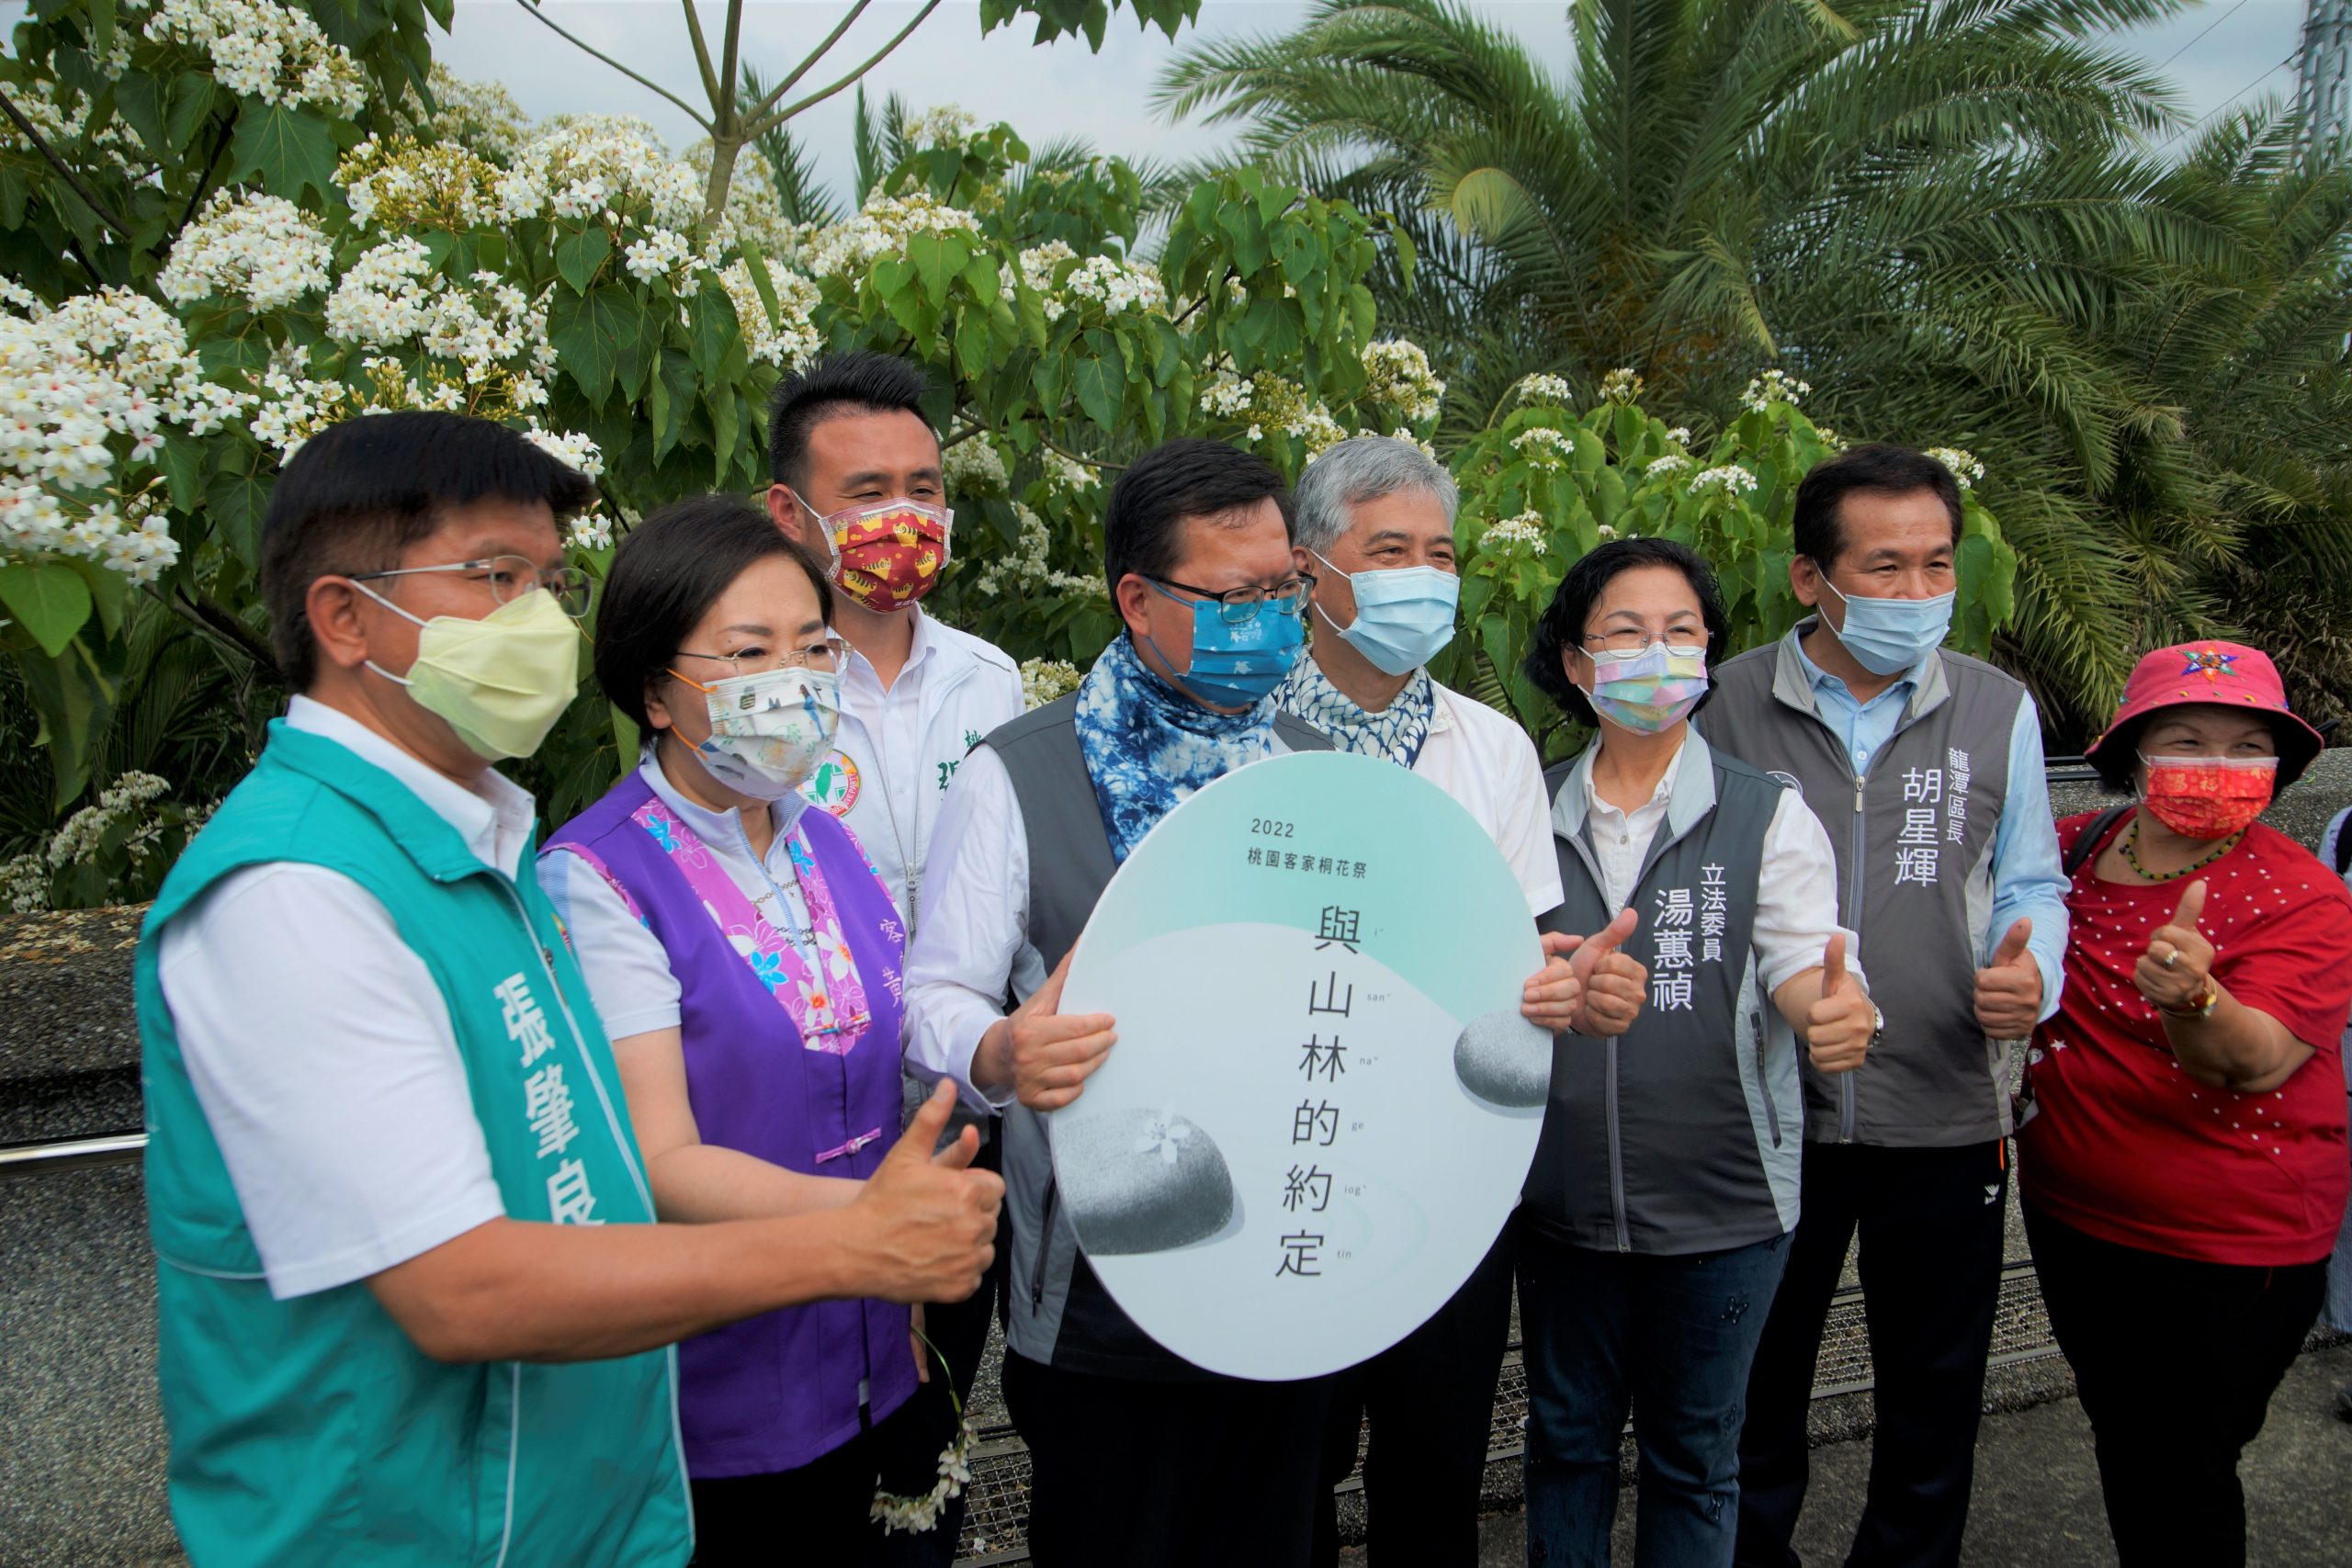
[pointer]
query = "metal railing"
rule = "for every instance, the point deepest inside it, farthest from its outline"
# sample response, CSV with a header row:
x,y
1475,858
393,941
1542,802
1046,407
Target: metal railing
x,y
68,1153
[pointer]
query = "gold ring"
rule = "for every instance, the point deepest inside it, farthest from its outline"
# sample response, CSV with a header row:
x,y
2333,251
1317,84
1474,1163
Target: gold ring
x,y
2167,960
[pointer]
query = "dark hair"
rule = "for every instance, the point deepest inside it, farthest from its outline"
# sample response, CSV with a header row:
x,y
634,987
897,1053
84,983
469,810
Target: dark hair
x,y
668,573
360,492
1562,627
862,382
1885,471
1182,478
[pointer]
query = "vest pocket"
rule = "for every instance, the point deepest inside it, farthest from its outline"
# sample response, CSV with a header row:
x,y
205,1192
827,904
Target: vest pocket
x,y
1763,1084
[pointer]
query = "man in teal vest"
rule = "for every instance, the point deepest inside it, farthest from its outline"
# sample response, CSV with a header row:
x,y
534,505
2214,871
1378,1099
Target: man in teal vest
x,y
412,1306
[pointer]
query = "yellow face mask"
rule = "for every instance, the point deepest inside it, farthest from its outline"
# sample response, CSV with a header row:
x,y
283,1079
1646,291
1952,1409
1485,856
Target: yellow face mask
x,y
501,682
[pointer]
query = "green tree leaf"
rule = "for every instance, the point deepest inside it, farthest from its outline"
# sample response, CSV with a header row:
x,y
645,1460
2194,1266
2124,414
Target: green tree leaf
x,y
288,149
595,334
577,256
49,599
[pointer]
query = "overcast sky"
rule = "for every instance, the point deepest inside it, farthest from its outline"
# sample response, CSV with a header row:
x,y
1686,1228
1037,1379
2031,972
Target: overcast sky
x,y
2222,53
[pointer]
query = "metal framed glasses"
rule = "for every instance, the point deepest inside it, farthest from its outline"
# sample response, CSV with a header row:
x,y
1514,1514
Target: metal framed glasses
x,y
826,655
1632,642
1239,606
508,577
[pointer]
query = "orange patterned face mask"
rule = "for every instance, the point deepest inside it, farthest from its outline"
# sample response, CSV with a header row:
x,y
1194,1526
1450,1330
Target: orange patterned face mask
x,y
887,556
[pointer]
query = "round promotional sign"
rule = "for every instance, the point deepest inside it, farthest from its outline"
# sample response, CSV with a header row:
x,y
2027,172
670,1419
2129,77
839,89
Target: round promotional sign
x,y
1324,1100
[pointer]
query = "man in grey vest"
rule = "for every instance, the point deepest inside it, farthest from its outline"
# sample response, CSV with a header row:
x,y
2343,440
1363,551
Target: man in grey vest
x,y
1927,767
1137,1457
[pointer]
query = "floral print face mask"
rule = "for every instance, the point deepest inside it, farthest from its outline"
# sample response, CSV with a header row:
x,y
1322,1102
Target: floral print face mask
x,y
2209,797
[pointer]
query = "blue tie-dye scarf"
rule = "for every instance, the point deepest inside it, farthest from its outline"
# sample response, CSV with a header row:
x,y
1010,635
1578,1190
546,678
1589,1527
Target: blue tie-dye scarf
x,y
1149,747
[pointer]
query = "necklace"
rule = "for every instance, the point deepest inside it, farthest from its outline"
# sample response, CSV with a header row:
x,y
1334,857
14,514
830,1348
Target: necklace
x,y
2131,855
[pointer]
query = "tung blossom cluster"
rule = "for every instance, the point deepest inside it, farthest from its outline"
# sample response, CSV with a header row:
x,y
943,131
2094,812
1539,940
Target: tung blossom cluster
x,y
1730,479
88,392
1962,464
404,184
1025,568
1267,402
1397,374
1526,529
608,167
1043,680
1543,447
1543,388
1774,387
275,52
261,251
881,228
974,468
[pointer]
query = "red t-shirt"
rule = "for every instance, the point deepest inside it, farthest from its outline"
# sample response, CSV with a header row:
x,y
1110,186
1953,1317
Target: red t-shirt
x,y
2123,1145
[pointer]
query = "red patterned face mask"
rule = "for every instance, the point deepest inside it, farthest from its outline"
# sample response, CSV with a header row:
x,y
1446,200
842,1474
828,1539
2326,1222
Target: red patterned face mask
x,y
887,556
2209,797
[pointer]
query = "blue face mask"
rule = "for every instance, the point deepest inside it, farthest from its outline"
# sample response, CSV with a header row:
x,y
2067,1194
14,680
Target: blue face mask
x,y
1404,616
1234,664
1887,636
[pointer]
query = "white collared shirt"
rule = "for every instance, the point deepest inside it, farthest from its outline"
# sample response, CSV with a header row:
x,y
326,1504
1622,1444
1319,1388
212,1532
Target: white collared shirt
x,y
626,967
900,747
1796,898
1487,764
322,1052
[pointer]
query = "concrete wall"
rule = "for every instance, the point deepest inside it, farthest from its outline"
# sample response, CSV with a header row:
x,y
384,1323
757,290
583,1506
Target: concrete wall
x,y
81,1436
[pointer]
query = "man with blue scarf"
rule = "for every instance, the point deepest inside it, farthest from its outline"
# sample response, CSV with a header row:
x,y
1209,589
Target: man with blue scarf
x,y
1139,1458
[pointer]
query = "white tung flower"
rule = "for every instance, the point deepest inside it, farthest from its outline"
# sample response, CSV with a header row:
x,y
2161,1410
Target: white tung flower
x,y
275,52
261,250
1730,479
1543,447
1774,387
1541,388
1962,464
1527,529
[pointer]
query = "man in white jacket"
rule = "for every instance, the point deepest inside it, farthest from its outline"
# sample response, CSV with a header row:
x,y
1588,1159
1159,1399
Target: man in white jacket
x,y
1376,516
857,476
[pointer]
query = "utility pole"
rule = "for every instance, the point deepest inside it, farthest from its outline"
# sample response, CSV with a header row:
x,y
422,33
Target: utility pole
x,y
2323,77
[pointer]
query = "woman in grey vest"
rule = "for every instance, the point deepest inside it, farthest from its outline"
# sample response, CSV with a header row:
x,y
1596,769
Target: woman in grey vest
x,y
1658,1211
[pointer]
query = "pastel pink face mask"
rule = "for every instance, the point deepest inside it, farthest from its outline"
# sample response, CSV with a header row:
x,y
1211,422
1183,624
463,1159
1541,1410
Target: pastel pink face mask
x,y
1651,692
2209,797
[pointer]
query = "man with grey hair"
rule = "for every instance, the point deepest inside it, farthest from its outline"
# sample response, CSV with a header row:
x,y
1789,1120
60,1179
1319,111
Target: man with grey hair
x,y
1377,515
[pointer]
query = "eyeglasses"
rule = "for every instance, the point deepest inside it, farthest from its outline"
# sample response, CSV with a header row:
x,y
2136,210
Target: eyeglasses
x,y
825,656
1240,606
509,578
1632,642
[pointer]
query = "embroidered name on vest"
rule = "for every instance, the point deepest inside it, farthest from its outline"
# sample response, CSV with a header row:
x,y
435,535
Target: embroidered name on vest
x,y
547,1103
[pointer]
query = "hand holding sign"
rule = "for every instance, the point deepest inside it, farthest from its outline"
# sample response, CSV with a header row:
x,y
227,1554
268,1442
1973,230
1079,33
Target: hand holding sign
x,y
2008,991
1838,1028
1554,994
1052,1057
2174,970
1615,984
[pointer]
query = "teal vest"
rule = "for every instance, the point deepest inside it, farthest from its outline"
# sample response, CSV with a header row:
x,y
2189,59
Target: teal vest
x,y
313,1430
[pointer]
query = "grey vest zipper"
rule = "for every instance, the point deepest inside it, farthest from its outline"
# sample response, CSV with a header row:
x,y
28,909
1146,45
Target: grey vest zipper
x,y
1609,1098
1044,1247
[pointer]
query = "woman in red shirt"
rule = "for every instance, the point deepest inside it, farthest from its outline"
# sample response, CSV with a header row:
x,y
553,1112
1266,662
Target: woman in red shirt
x,y
2181,1142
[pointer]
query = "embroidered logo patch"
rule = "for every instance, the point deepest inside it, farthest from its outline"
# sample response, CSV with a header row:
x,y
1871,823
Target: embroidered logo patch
x,y
834,785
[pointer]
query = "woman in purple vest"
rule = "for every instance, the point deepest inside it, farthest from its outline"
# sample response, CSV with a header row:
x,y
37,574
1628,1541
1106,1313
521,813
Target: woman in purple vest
x,y
745,958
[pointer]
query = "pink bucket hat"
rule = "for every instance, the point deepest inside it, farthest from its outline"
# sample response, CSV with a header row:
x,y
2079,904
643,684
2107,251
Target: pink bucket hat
x,y
2226,673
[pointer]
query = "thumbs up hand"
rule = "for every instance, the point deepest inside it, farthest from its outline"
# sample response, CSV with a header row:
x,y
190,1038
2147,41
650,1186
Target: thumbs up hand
x,y
1615,984
1839,1024
2009,990
928,1229
2174,971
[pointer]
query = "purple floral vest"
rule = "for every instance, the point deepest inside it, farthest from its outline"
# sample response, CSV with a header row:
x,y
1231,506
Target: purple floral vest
x,y
800,1069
